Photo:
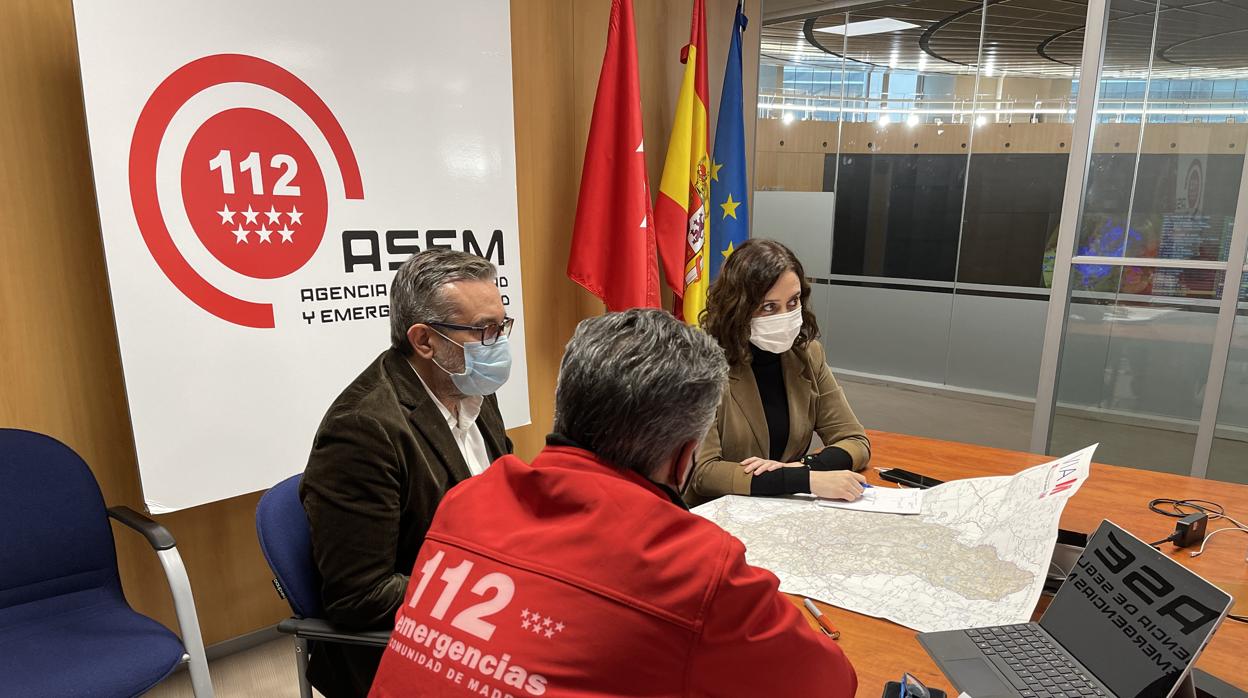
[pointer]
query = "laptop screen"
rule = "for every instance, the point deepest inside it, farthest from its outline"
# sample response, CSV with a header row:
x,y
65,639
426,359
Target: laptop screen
x,y
1133,616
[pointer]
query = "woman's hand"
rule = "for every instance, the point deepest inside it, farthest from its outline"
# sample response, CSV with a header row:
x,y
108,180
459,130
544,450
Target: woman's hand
x,y
836,484
758,466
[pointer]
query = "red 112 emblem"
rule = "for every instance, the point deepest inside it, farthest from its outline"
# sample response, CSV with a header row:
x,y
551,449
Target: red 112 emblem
x,y
253,191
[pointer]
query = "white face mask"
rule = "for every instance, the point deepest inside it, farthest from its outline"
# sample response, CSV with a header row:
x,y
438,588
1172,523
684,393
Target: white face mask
x,y
776,333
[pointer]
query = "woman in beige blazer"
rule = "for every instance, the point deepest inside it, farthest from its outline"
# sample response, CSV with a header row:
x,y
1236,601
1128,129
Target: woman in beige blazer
x,y
780,389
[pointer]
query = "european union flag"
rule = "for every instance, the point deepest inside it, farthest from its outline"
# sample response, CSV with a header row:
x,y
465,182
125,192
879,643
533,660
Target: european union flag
x,y
730,225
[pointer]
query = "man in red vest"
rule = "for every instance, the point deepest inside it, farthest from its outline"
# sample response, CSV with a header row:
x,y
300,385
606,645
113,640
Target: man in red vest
x,y
582,574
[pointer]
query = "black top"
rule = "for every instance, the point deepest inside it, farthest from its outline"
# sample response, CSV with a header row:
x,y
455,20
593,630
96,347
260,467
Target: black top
x,y
770,380
769,377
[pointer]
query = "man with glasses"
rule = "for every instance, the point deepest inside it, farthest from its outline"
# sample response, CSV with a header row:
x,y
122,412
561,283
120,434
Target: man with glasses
x,y
419,419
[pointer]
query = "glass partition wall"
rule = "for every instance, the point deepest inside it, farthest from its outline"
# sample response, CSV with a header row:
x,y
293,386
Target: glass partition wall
x,y
942,141
1143,365
918,157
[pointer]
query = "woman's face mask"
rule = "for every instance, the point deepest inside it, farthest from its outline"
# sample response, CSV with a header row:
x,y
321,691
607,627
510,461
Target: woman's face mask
x,y
776,333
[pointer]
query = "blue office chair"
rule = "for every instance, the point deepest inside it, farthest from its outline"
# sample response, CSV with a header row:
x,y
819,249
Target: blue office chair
x,y
286,542
65,626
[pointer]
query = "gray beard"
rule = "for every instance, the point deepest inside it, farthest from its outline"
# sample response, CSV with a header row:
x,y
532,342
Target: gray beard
x,y
451,360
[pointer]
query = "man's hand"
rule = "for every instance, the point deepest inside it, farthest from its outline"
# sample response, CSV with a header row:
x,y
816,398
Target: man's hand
x,y
758,466
836,484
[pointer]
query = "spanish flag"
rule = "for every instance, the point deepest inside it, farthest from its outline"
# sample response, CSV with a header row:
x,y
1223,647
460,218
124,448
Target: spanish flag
x,y
684,191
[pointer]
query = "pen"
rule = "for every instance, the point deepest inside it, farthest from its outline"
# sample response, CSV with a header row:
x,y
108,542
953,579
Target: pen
x,y
824,624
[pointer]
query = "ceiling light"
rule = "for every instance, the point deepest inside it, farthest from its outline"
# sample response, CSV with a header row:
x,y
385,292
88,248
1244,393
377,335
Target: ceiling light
x,y
988,68
788,117
885,120
912,120
922,62
870,26
981,120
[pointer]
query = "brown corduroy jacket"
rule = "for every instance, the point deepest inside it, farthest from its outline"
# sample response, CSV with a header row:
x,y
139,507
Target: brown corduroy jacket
x,y
817,405
381,461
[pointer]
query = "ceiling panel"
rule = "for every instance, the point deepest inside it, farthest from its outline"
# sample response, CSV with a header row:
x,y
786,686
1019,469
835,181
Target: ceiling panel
x,y
1044,38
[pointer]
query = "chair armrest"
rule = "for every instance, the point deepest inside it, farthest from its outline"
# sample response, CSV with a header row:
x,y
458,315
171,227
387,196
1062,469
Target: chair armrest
x,y
318,629
159,536
180,587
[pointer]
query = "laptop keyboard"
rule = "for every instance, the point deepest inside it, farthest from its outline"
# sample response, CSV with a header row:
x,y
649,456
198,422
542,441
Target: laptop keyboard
x,y
1033,663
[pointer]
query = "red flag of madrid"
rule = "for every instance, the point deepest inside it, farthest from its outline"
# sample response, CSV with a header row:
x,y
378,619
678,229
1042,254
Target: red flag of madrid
x,y
613,244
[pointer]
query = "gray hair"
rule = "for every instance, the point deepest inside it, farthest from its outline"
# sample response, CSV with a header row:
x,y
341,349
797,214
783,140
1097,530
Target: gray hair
x,y
416,294
636,386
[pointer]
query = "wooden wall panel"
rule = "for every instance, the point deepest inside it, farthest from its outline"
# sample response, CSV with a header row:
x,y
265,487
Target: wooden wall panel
x,y
1022,138
60,370
786,157
788,172
547,179
1195,138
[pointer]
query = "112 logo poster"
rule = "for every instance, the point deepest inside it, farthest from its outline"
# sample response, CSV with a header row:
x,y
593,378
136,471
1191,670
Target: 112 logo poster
x,y
261,170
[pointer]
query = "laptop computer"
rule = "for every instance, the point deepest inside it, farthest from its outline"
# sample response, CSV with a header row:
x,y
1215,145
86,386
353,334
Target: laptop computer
x,y
1128,622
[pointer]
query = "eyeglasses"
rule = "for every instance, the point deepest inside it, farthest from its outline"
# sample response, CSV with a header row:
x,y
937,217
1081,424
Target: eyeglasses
x,y
913,688
489,333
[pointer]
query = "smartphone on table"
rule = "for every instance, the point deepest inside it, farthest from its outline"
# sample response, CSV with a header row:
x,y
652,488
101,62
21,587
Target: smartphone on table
x,y
909,479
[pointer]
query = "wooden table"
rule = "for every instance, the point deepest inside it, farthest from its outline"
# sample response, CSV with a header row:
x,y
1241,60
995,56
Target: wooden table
x,y
881,650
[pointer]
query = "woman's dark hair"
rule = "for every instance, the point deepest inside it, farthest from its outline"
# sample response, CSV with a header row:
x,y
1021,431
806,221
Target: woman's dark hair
x,y
747,275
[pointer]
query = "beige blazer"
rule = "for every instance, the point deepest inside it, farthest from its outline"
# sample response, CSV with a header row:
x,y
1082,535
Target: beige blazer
x,y
817,405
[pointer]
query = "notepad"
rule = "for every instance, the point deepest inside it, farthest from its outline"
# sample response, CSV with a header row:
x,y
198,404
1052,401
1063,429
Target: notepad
x,y
882,500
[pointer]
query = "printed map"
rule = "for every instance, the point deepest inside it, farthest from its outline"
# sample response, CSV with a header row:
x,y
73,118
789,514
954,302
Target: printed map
x,y
977,554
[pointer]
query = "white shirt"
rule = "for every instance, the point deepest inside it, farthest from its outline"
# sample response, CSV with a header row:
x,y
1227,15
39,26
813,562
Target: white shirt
x,y
464,428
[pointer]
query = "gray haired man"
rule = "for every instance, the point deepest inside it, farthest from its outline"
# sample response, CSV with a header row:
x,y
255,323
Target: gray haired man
x,y
419,419
582,573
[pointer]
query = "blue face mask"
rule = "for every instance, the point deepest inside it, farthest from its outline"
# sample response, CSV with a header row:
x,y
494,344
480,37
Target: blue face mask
x,y
486,368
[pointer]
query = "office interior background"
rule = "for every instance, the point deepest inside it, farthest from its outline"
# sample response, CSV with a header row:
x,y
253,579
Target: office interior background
x,y
917,155
919,172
